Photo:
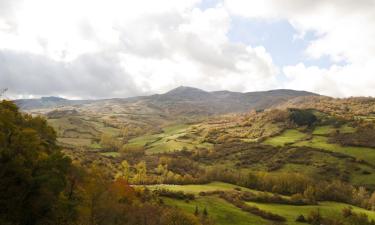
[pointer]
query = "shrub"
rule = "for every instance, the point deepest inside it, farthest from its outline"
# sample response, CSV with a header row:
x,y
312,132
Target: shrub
x,y
301,219
175,194
302,117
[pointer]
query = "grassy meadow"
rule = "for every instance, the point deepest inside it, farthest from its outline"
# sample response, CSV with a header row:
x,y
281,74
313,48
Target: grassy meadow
x,y
224,213
173,138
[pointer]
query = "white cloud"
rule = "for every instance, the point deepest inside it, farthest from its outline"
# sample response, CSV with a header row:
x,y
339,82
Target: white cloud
x,y
344,32
195,51
115,48
343,81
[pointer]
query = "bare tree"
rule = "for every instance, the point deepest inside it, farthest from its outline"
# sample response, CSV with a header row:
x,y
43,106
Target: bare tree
x,y
2,92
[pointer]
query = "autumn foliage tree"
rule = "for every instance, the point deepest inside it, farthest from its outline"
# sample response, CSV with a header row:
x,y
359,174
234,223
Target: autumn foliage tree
x,y
32,170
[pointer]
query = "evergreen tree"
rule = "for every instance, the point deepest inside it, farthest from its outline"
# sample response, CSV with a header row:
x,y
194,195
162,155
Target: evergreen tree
x,y
205,213
196,213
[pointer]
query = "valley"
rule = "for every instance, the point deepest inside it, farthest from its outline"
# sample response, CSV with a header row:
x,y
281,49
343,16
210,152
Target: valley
x,y
243,158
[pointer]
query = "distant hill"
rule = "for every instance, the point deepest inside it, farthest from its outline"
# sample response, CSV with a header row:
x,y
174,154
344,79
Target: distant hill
x,y
187,101
47,102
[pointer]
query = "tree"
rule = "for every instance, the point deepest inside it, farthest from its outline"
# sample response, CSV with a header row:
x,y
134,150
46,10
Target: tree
x,y
315,218
3,91
302,117
205,213
196,212
140,176
110,142
301,219
125,170
372,201
104,201
32,170
177,217
360,197
310,194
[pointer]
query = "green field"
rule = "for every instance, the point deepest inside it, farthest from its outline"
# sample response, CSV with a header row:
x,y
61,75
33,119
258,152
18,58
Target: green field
x,y
329,209
224,213
196,188
325,130
80,132
319,140
170,140
287,137
361,153
110,154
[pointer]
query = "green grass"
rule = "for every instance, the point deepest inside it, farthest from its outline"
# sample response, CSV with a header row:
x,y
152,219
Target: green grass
x,y
143,140
175,128
109,130
111,154
222,212
95,145
362,153
287,137
298,168
347,129
331,209
361,178
168,140
320,140
196,188
325,130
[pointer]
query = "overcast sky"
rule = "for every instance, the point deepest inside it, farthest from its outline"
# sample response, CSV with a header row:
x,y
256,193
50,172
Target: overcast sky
x,y
121,48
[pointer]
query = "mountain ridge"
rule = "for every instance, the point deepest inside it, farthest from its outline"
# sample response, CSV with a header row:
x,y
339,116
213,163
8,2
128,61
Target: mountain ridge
x,y
182,100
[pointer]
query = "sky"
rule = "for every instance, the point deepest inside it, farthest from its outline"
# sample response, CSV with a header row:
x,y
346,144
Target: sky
x,y
88,49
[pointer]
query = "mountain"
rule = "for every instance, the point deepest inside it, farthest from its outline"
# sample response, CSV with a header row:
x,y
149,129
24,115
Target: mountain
x,y
181,101
184,93
184,100
47,102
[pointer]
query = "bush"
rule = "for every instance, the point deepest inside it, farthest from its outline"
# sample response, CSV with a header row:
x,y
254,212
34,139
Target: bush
x,y
180,195
301,219
296,199
302,117
174,216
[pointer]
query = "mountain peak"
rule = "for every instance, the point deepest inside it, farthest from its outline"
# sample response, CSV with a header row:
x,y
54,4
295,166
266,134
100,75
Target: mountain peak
x,y
185,89
185,93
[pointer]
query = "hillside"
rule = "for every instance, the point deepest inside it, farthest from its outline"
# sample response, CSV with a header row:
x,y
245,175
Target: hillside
x,y
179,101
258,158
47,102
82,121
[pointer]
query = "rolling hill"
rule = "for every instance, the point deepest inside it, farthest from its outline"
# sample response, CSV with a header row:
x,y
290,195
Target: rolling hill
x,y
179,101
247,158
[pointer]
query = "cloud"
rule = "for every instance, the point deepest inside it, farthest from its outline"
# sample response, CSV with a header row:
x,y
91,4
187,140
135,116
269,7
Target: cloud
x,y
344,31
113,48
27,75
119,48
343,81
